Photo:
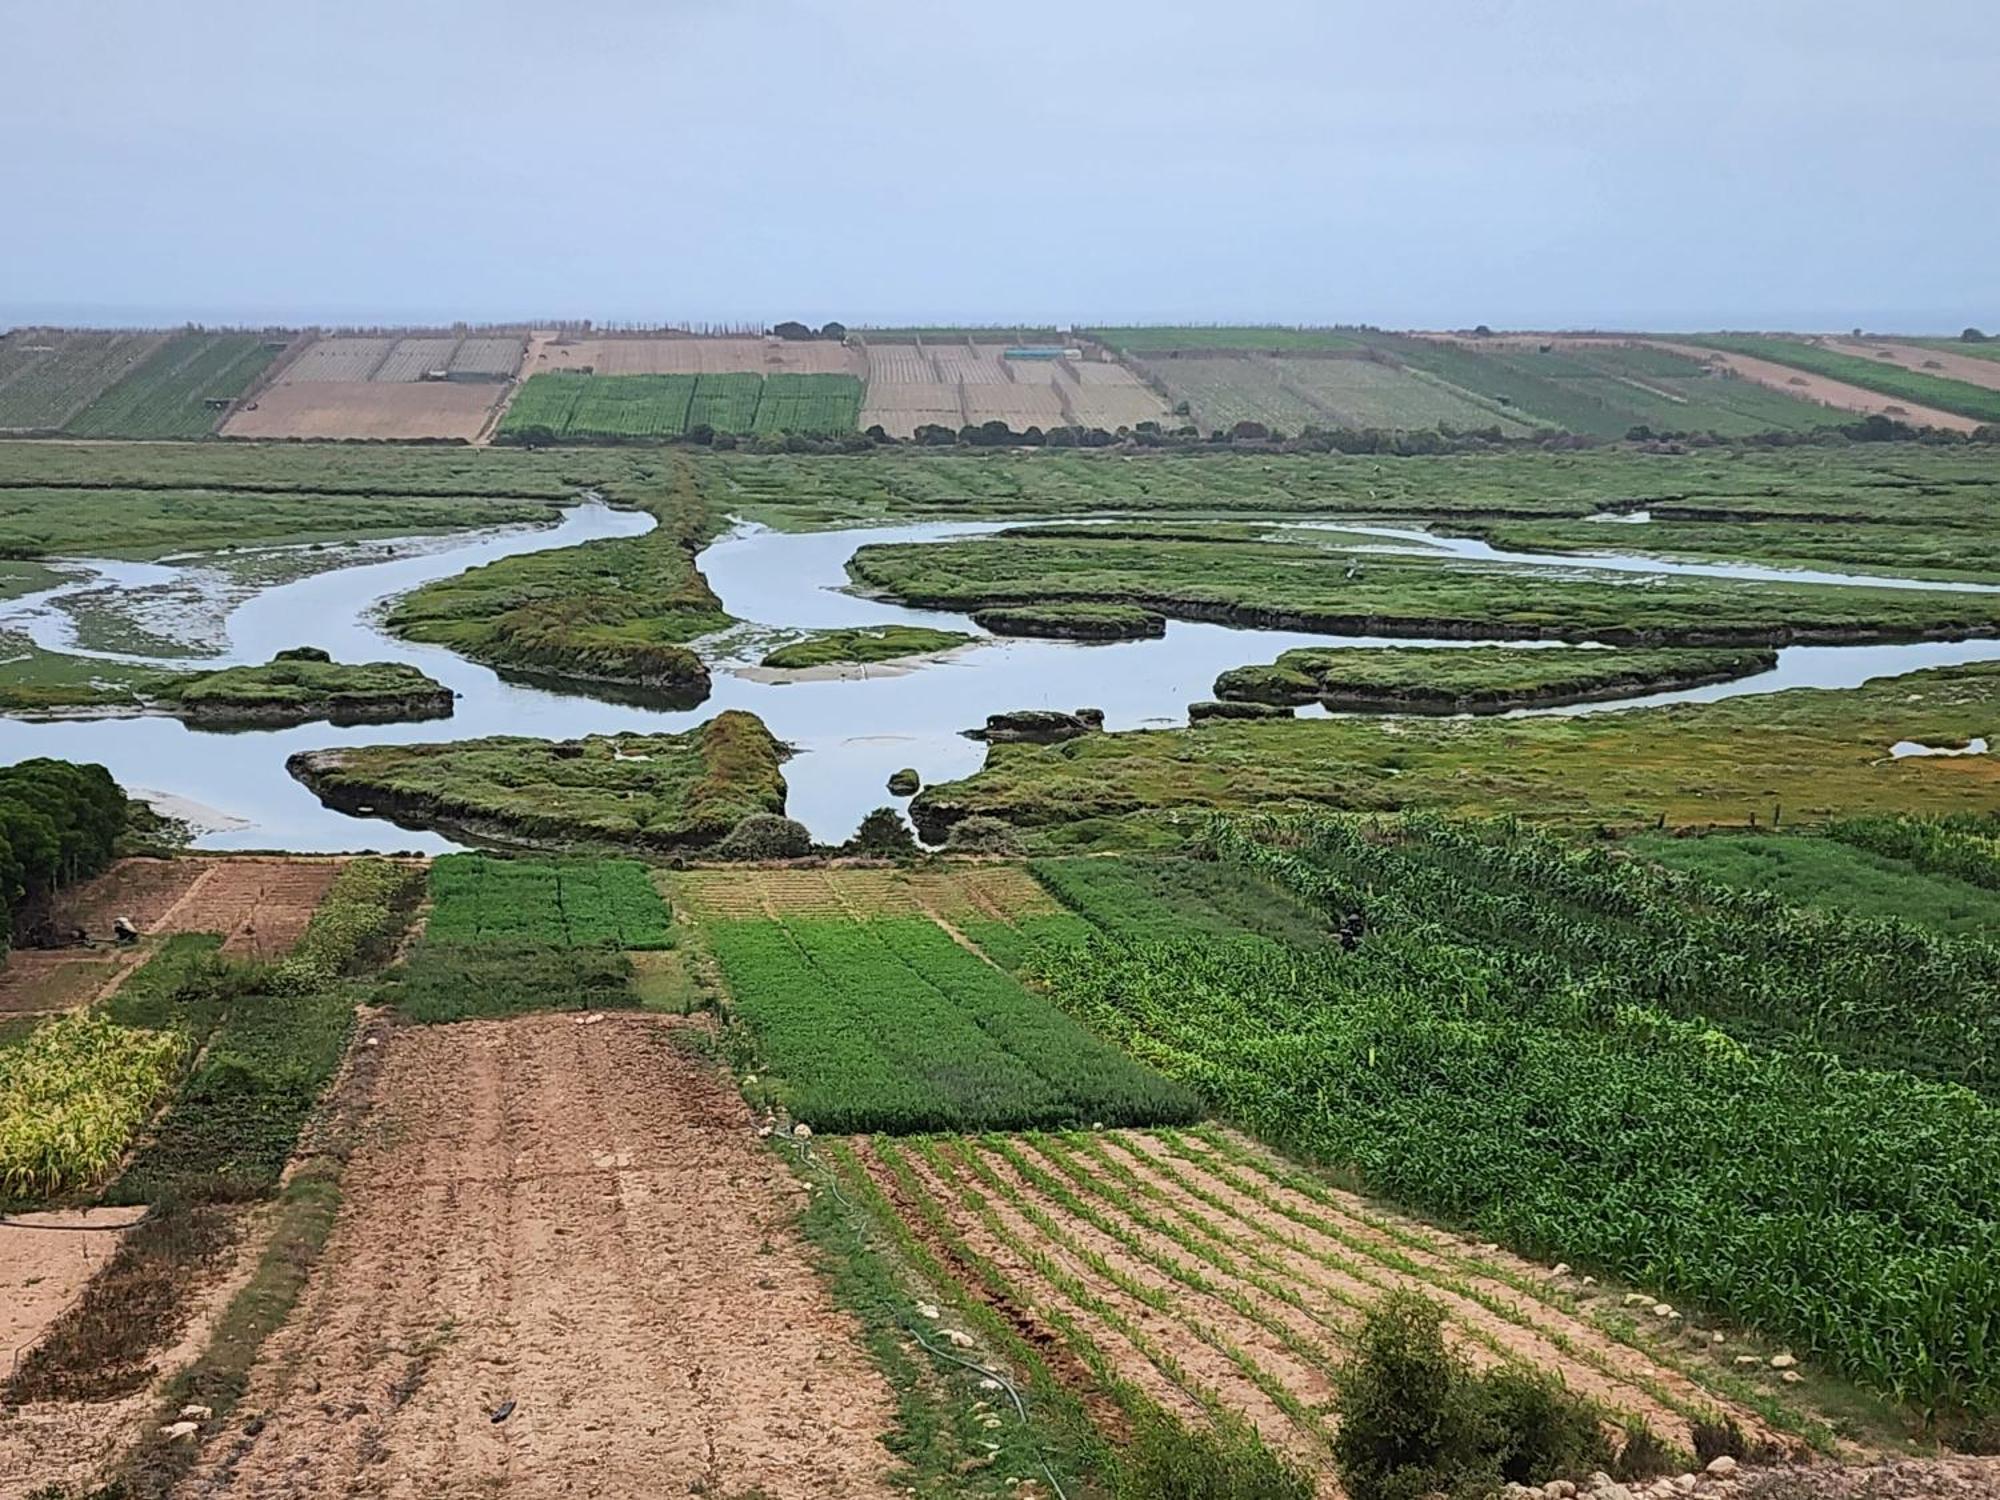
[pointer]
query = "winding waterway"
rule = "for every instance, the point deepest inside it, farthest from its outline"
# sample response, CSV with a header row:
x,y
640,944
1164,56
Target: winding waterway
x,y
850,733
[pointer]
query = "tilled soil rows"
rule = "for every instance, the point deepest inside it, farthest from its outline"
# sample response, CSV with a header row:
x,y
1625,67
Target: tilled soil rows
x,y
1202,1272
260,906
567,1223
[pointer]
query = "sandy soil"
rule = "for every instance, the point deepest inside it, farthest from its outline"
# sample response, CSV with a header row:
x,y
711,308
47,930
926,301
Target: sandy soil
x,y
1809,387
575,1218
368,409
1939,362
259,905
1283,1287
45,1258
77,1444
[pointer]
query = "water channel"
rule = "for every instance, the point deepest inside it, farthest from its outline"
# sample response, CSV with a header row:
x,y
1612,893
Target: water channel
x,y
850,733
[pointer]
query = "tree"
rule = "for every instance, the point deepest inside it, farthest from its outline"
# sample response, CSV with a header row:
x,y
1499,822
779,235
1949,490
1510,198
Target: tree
x,y
1972,336
883,835
835,331
792,330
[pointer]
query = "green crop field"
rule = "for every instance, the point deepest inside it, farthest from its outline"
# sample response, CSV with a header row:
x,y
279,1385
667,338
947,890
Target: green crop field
x,y
1940,392
812,405
47,376
1605,390
1821,870
638,408
887,1024
1619,1066
570,904
727,403
167,395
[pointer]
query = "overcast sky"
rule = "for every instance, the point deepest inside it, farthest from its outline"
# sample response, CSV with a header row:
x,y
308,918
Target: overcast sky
x,y
1426,163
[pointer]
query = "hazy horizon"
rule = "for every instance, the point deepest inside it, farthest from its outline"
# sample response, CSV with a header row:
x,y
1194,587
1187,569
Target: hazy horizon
x,y
1552,165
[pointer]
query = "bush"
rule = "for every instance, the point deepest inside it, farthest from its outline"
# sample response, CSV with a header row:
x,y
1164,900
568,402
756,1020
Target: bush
x,y
1543,1432
980,834
1415,1419
766,836
1409,1425
883,835
1720,1438
1644,1455
1167,1461
904,783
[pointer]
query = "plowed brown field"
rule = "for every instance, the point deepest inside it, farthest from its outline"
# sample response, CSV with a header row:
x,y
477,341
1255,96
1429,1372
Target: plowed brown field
x,y
576,1218
260,906
1204,1271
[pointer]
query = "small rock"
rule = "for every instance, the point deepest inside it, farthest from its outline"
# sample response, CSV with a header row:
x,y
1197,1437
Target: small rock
x,y
989,1384
1490,1247
763,1132
802,1131
1634,1299
749,1080
1561,1268
957,1339
1684,1484
371,1041
1715,1338
175,1431
1749,1359
1662,1310
1791,1377
1598,1479
1782,1361
989,1423
1559,1489
927,1310
1615,1491
196,1413
1721,1467
1590,1281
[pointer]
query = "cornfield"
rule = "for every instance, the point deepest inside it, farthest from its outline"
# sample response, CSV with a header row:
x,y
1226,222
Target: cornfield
x,y
71,1096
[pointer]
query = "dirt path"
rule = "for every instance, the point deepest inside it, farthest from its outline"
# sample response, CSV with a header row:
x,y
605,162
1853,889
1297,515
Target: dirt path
x,y
578,1219
1809,387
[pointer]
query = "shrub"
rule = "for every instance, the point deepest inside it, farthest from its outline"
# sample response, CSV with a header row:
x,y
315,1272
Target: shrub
x,y
364,909
1415,1419
904,783
980,834
883,835
1409,1425
1543,1432
765,836
1644,1455
1167,1461
1718,1438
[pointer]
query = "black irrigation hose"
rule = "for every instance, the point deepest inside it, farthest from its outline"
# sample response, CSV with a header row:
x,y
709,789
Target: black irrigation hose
x,y
804,1149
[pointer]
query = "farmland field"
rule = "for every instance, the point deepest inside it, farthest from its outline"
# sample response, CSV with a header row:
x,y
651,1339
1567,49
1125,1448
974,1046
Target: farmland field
x,y
1262,338
808,404
359,408
169,394
1981,403
640,407
1431,1060
47,376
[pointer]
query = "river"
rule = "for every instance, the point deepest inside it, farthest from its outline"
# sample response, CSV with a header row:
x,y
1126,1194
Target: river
x,y
850,733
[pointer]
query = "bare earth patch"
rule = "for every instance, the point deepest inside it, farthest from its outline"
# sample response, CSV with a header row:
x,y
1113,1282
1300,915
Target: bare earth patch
x,y
570,1220
368,409
1925,361
258,905
1835,393
45,1258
